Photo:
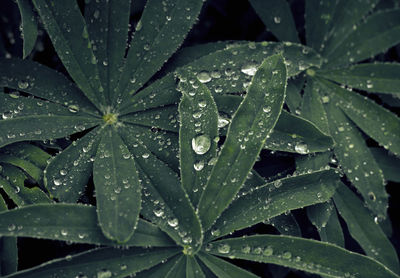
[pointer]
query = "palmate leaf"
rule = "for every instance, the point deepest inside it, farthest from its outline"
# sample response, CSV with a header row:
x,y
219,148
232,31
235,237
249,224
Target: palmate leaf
x,y
8,250
366,114
34,119
161,270
276,198
102,262
29,168
68,32
293,93
69,171
178,270
302,254
149,47
78,224
376,77
198,130
356,159
286,224
388,163
379,32
29,26
164,199
28,152
363,228
251,124
107,26
280,22
193,269
223,269
116,180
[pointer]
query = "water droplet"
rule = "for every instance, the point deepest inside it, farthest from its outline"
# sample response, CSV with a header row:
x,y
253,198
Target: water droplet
x,y
246,249
325,99
57,182
371,196
215,232
268,251
201,144
287,255
267,109
22,84
104,274
224,248
158,212
11,227
301,148
204,76
173,222
64,232
63,172
199,165
202,104
73,108
277,183
145,155
249,69
277,19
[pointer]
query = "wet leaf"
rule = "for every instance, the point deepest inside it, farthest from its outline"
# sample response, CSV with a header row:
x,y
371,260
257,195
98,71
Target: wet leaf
x,y
29,26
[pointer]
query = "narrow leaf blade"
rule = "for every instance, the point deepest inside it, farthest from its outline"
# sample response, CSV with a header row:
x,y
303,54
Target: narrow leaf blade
x,y
29,26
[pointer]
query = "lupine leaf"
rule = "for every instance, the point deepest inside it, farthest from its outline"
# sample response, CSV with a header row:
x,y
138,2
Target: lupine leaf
x,y
8,250
314,162
102,262
377,77
31,169
389,164
275,198
149,47
77,224
286,224
164,200
277,17
312,108
193,269
33,119
29,26
12,182
252,122
67,30
318,21
302,254
379,32
164,118
28,152
377,122
363,228
332,232
224,269
108,26
356,160
293,93
68,173
198,129
178,270
117,187
346,15
41,81
230,70
160,270
319,214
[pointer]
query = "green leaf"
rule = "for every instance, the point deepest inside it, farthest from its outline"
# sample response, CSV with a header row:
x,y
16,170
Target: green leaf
x,y
389,164
108,26
43,82
8,250
286,224
312,108
68,172
318,21
193,269
198,129
12,182
222,268
319,214
149,47
178,270
293,93
162,269
356,160
275,198
379,32
302,254
332,232
277,17
77,224
298,135
117,187
29,26
377,77
102,262
28,152
230,70
363,228
68,32
165,118
31,169
252,122
314,162
345,17
377,122
32,119
165,202
161,92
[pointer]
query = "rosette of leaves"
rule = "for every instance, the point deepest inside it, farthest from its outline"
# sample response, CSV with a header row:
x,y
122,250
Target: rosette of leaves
x,y
211,180
343,98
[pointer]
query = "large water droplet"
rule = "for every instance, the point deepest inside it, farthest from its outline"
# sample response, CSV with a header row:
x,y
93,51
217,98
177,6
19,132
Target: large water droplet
x,y
199,165
224,248
22,84
301,148
204,76
173,222
104,274
249,69
201,144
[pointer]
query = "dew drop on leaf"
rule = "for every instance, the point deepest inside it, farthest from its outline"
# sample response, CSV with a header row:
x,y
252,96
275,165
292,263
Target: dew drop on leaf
x,y
204,76
301,148
224,248
268,251
199,165
249,69
104,274
22,84
201,144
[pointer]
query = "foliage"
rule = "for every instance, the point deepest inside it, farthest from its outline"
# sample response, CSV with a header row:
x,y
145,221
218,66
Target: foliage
x,y
168,141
